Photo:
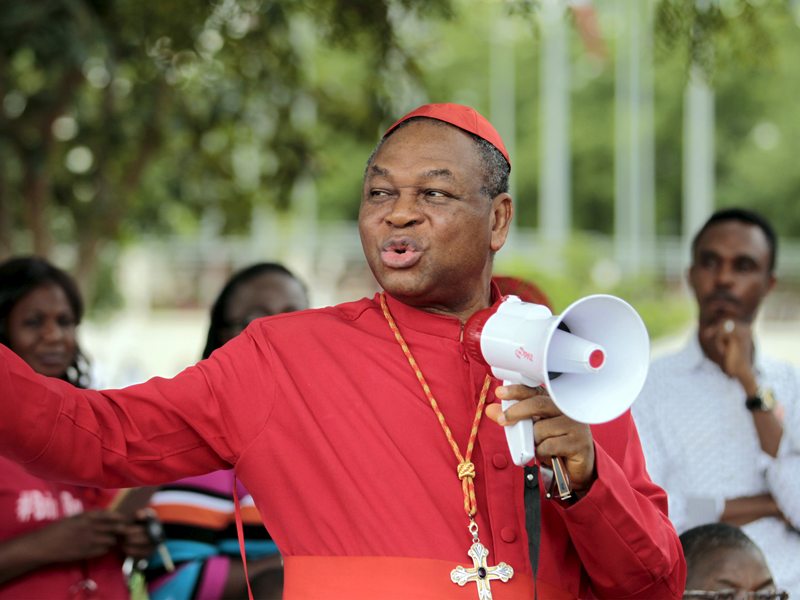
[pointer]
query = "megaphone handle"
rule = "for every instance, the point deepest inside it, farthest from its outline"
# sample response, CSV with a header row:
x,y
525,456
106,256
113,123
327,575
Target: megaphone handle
x,y
519,437
523,450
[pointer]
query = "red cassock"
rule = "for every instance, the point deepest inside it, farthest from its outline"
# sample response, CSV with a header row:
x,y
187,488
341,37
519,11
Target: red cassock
x,y
327,426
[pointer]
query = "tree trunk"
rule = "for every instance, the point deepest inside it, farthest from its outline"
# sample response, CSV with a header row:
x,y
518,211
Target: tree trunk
x,y
89,248
35,189
5,218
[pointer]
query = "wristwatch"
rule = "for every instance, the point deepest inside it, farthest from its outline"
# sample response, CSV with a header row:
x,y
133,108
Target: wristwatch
x,y
762,401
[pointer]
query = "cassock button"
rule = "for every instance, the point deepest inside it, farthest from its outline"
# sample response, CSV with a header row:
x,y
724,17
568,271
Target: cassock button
x,y
500,461
509,535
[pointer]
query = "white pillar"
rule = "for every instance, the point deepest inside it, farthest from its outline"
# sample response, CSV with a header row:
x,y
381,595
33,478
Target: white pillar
x,y
555,192
698,154
301,247
502,86
634,154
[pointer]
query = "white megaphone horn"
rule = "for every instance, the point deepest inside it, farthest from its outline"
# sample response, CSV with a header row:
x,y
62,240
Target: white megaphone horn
x,y
592,359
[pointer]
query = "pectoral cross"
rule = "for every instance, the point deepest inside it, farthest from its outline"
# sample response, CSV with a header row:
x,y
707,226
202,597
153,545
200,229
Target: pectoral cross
x,y
480,572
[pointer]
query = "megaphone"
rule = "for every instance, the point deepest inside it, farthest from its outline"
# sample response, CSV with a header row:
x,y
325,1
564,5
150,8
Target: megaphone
x,y
592,359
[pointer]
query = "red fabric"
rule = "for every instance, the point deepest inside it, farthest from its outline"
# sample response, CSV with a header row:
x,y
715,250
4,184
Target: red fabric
x,y
463,117
329,430
27,504
313,577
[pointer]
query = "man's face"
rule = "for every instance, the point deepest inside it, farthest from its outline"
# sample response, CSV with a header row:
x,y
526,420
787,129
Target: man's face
x,y
427,230
730,272
740,569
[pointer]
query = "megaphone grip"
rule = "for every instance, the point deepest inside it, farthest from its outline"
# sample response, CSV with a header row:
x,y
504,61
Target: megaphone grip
x,y
519,437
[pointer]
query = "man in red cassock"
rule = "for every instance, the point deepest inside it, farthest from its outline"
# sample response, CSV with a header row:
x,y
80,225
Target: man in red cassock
x,y
358,428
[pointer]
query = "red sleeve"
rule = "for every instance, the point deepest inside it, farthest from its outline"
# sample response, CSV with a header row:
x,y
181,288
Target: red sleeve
x,y
626,543
158,431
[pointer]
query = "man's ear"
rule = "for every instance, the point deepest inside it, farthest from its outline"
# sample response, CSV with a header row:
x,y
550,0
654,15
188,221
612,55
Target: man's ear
x,y
502,213
690,276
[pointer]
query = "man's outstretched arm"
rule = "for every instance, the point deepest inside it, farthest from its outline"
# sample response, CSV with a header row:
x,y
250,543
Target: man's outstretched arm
x,y
144,434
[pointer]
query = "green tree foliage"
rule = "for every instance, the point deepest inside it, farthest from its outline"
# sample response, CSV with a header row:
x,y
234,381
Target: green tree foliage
x,y
716,34
747,50
123,117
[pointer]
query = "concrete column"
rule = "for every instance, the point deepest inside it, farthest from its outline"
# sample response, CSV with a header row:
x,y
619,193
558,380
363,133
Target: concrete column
x,y
698,154
634,153
502,97
555,194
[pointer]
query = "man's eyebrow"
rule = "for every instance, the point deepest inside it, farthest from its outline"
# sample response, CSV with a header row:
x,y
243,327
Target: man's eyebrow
x,y
376,170
431,174
767,582
708,253
435,173
735,584
705,253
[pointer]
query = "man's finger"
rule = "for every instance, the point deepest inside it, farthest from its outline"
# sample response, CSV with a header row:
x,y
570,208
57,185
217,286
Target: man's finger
x,y
538,407
518,392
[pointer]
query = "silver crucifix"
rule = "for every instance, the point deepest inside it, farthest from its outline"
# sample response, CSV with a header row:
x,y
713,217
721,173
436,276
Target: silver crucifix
x,y
480,572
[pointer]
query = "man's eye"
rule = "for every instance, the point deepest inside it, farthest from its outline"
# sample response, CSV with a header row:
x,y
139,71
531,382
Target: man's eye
x,y
436,194
708,262
745,266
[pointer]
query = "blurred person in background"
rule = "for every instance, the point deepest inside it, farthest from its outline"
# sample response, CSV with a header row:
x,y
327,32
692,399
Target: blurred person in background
x,y
56,540
719,420
723,563
198,513
526,291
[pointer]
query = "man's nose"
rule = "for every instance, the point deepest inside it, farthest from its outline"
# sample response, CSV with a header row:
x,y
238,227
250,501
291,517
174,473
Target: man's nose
x,y
404,211
725,276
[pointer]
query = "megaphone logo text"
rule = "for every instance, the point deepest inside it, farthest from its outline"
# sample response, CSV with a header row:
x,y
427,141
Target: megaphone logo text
x,y
522,353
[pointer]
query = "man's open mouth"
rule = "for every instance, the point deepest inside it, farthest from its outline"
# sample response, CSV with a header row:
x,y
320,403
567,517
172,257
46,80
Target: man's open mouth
x,y
400,254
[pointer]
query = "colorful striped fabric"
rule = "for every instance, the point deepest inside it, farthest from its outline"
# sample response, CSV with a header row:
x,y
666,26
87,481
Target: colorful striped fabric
x,y
199,523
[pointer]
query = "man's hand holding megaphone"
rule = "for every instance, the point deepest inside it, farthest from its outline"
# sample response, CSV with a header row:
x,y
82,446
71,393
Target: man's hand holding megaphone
x,y
555,433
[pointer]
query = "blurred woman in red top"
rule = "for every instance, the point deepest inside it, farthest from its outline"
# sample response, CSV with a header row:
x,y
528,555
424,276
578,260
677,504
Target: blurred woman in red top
x,y
56,540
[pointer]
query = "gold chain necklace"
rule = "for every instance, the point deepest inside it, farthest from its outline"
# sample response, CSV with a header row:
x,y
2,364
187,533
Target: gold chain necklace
x,y
480,572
